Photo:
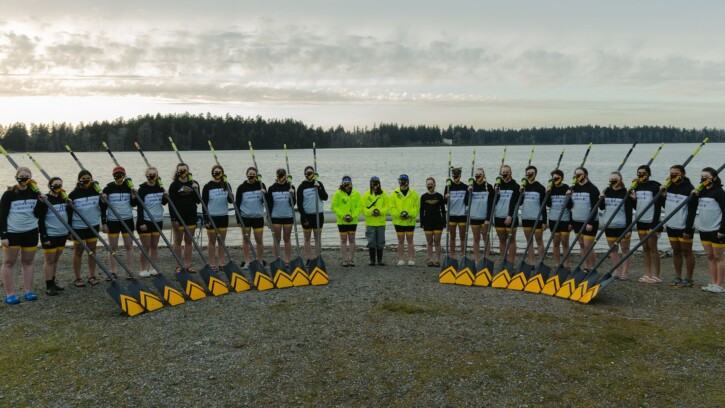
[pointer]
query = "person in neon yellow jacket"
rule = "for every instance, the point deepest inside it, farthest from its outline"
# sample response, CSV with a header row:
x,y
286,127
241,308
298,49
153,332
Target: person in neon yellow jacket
x,y
346,205
375,208
404,207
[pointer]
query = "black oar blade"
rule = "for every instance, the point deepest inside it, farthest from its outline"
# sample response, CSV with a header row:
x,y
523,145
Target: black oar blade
x,y
237,280
128,303
299,274
148,299
536,281
192,289
591,279
553,283
466,272
502,278
597,288
282,278
216,286
484,272
570,283
262,280
318,272
520,279
449,268
171,295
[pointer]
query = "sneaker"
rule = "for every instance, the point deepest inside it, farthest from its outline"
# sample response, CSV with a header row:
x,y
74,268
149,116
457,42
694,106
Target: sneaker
x,y
351,263
12,300
707,287
144,274
411,263
686,283
717,289
51,291
30,296
676,282
153,272
401,262
344,263
58,288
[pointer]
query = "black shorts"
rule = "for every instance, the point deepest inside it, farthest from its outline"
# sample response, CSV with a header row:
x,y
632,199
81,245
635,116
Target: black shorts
x,y
677,235
150,229
347,227
613,233
282,221
27,241
86,234
563,227
529,224
434,226
499,223
253,223
477,222
576,226
309,221
55,243
114,227
644,227
404,228
710,238
457,219
221,222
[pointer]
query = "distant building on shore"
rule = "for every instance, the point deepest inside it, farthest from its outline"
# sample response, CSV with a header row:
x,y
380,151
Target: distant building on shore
x,y
448,142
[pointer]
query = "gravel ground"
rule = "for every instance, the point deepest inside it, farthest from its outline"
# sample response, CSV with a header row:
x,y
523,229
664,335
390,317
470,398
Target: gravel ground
x,y
373,336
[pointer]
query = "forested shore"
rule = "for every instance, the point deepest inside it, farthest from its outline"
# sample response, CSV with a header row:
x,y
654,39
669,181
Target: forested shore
x,y
191,132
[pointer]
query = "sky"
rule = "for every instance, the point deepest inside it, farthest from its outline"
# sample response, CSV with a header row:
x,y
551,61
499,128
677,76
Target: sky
x,y
487,64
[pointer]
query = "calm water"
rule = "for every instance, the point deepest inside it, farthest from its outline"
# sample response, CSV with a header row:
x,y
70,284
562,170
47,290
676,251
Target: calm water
x,y
386,163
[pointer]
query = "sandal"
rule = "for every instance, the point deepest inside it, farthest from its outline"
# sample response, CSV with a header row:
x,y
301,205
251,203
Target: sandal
x,y
351,263
178,269
686,283
437,264
429,263
191,270
676,281
214,268
645,279
93,281
656,279
79,283
112,277
344,263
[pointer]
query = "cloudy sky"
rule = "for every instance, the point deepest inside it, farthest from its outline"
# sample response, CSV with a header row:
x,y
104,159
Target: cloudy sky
x,y
482,63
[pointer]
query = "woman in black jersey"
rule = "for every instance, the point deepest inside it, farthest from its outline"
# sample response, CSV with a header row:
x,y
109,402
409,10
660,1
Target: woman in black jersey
x,y
185,200
681,227
612,197
217,198
281,203
19,234
251,207
432,220
53,234
87,202
556,211
505,220
584,197
534,194
481,202
643,193
711,209
154,199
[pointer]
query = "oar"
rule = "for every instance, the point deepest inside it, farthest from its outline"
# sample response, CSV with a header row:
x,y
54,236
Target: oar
x,y
318,271
519,280
465,274
147,298
127,300
280,272
602,281
235,275
449,267
503,277
297,265
192,289
216,286
583,286
578,274
486,266
542,272
172,295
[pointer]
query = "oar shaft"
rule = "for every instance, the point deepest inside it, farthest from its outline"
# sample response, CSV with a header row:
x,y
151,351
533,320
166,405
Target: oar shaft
x,y
264,202
294,215
586,154
138,147
621,165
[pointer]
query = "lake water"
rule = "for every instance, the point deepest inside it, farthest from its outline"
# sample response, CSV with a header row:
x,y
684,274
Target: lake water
x,y
386,163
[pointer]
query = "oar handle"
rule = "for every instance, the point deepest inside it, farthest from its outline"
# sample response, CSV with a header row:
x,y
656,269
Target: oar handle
x,y
42,171
586,154
561,156
110,153
531,155
7,156
621,165
213,153
697,150
176,150
72,153
138,147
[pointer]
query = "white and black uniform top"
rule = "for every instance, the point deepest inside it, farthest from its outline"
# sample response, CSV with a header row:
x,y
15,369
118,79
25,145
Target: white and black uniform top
x,y
613,197
154,199
583,200
685,217
556,203
482,201
249,199
458,198
217,199
48,224
119,197
711,208
306,198
17,211
87,202
644,193
278,200
508,196
534,194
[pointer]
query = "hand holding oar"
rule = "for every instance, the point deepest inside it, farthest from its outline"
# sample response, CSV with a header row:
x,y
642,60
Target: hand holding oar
x,y
299,274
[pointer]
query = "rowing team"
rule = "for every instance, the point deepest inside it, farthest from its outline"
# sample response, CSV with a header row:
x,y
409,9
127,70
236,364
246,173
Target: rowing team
x,y
24,220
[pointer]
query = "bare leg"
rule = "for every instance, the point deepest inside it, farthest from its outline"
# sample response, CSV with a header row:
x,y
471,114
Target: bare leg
x,y
429,246
476,231
411,249
437,246
10,257
351,247
146,244
28,266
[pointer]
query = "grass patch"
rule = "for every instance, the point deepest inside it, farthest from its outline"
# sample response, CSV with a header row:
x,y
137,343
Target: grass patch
x,y
403,308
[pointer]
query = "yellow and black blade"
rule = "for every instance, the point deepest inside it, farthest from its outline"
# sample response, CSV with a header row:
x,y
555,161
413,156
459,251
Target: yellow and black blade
x,y
298,272
484,271
125,301
521,278
282,278
502,278
466,272
587,283
216,286
145,297
318,272
570,283
535,283
553,283
238,281
171,295
262,280
597,288
192,289
448,272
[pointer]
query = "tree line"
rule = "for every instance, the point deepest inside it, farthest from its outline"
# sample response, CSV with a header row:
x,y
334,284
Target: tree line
x,y
191,132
